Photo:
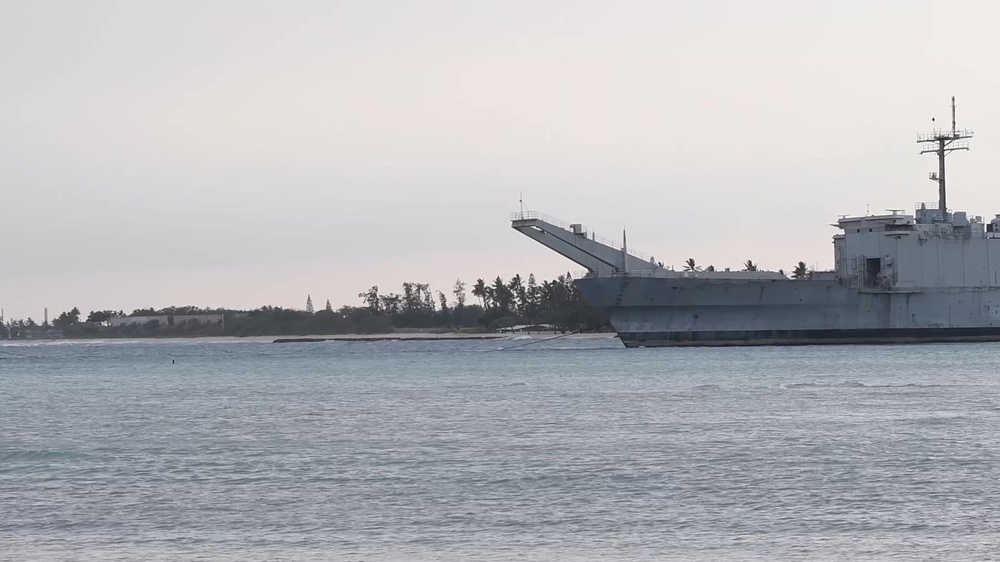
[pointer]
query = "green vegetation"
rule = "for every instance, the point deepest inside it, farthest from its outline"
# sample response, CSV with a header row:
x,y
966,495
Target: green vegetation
x,y
502,304
801,271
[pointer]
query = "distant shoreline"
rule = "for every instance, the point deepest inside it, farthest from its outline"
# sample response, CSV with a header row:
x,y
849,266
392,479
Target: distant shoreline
x,y
311,338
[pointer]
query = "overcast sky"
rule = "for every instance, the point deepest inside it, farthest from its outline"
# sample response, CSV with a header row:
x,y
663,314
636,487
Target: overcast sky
x,y
247,153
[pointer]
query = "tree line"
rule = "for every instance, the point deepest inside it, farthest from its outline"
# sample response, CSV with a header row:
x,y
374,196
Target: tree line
x,y
799,272
501,304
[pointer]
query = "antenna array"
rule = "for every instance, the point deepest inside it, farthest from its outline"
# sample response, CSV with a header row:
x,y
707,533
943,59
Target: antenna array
x,y
943,143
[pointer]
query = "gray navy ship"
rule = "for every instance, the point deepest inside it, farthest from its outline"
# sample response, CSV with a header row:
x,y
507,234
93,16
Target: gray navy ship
x,y
929,276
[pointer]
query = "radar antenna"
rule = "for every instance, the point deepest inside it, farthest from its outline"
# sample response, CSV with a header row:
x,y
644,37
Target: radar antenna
x,y
942,143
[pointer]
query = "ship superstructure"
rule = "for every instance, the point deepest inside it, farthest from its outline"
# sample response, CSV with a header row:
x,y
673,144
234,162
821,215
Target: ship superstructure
x,y
930,275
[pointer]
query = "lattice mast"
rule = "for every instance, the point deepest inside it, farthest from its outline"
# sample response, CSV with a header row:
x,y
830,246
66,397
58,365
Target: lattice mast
x,y
943,143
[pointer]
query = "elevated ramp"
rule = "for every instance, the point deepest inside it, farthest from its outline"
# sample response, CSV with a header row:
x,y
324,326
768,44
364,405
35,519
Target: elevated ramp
x,y
601,256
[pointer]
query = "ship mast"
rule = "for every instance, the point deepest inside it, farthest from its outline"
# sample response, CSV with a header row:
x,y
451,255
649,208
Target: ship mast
x,y
942,143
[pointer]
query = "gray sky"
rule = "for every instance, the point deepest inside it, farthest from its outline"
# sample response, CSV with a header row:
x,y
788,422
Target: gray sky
x,y
246,153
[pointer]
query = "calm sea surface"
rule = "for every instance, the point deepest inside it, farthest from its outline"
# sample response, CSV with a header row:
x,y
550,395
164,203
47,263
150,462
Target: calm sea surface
x,y
574,449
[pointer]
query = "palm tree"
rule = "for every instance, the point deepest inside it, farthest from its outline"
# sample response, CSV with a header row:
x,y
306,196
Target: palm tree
x,y
518,292
749,266
489,297
690,265
800,271
503,297
479,290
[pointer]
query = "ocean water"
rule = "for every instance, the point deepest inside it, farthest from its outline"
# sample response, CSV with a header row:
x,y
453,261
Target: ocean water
x,y
573,449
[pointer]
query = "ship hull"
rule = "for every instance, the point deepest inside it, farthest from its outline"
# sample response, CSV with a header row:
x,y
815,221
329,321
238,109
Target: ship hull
x,y
689,312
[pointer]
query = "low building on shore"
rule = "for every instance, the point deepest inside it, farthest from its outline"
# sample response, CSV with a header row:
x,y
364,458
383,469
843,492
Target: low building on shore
x,y
167,319
527,328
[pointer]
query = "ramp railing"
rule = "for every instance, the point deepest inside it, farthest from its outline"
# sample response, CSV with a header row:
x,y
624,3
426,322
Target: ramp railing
x,y
590,234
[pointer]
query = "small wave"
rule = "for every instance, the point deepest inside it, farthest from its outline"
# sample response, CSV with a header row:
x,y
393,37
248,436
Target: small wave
x,y
36,456
938,420
845,384
795,385
858,384
914,385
